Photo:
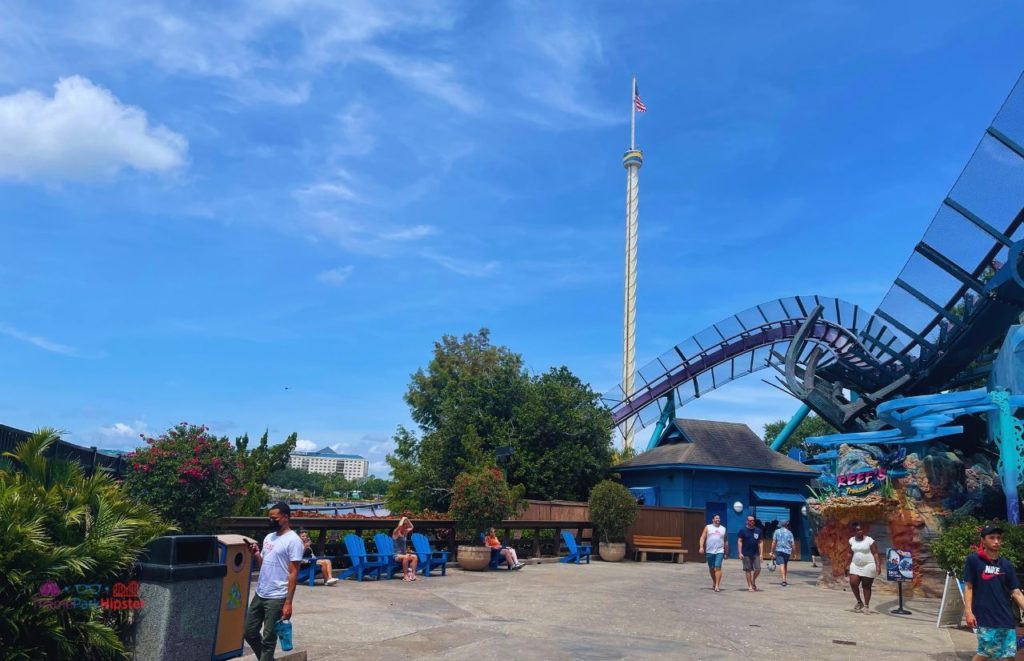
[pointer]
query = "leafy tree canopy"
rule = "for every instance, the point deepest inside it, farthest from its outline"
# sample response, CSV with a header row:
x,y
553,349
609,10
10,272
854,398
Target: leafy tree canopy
x,y
474,397
812,425
193,477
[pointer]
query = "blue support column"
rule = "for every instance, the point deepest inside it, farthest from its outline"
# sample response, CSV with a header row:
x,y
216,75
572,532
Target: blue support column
x,y
791,426
1009,438
667,414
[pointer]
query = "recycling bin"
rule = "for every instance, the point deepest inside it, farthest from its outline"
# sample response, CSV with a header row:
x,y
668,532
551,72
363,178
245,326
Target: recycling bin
x,y
233,552
180,582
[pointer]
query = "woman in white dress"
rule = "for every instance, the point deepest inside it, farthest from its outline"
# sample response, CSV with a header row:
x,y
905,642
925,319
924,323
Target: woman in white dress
x,y
865,565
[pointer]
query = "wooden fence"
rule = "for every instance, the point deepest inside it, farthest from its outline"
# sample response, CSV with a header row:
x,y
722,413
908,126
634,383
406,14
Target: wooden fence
x,y
685,522
555,510
531,538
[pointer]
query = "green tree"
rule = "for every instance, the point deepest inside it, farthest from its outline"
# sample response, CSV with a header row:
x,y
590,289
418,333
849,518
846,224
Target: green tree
x,y
474,397
372,486
254,469
58,525
294,478
562,438
812,425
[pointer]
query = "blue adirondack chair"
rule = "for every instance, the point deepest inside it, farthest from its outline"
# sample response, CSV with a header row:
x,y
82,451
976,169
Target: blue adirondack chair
x,y
428,557
497,559
576,551
386,550
362,562
308,572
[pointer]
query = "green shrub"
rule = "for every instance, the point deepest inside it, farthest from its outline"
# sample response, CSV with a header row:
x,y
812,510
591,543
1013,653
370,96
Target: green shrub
x,y
613,510
481,498
58,525
960,538
187,475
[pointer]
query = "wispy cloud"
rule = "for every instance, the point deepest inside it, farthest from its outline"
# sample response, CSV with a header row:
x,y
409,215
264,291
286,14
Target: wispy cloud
x,y
430,77
305,445
409,233
38,341
81,132
467,267
335,277
241,43
560,51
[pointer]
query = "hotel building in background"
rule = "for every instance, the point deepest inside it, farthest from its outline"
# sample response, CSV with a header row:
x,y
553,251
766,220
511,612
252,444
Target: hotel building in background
x,y
327,461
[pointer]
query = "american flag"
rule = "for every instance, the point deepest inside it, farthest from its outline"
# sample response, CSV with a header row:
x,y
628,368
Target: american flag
x,y
637,103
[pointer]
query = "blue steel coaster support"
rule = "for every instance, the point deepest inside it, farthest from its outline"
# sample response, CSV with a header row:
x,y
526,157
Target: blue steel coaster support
x,y
1009,438
667,414
791,426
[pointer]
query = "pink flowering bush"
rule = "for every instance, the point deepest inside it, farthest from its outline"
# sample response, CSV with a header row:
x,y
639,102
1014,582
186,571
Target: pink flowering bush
x,y
188,475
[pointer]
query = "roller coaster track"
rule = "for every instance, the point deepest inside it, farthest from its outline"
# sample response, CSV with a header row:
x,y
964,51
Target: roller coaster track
x,y
956,296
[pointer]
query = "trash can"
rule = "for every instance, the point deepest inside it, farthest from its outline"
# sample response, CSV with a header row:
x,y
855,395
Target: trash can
x,y
180,582
233,552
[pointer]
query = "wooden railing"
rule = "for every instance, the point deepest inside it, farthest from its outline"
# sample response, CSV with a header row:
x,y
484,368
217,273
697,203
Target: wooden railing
x,y
443,531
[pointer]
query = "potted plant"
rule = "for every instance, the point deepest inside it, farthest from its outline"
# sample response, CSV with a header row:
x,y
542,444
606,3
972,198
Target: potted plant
x,y
480,498
612,511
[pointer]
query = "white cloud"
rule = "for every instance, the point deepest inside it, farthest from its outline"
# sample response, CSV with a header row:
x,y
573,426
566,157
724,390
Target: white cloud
x,y
336,277
124,434
36,340
81,132
410,233
305,445
433,78
559,51
354,123
467,267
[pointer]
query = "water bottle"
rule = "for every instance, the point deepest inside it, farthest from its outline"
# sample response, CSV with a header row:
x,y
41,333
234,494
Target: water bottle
x,y
284,634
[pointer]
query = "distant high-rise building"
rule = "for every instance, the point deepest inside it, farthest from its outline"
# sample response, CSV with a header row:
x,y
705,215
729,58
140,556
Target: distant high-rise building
x,y
327,461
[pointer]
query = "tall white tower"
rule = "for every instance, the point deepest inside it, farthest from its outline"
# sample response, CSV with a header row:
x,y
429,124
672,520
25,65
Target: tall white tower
x,y
632,160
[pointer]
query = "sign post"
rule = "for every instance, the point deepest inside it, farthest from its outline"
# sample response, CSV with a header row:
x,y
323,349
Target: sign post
x,y
899,567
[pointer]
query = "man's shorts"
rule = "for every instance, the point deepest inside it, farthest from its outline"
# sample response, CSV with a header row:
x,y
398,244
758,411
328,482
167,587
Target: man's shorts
x,y
782,558
996,643
715,560
751,563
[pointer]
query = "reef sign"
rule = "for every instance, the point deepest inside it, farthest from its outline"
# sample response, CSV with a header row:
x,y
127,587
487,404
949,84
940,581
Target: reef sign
x,y
858,483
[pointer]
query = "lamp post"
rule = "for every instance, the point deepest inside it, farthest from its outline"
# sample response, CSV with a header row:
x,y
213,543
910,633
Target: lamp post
x,y
502,455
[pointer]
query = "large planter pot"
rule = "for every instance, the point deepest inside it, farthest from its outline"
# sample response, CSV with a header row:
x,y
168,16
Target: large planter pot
x,y
474,558
612,551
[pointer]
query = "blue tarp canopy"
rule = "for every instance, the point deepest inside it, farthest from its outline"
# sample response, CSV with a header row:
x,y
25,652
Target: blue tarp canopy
x,y
779,496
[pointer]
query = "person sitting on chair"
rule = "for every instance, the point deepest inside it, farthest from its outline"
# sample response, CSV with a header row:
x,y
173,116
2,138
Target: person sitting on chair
x,y
507,552
308,556
400,535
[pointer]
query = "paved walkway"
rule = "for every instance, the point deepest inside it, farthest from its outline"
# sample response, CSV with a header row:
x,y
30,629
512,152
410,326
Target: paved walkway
x,y
603,611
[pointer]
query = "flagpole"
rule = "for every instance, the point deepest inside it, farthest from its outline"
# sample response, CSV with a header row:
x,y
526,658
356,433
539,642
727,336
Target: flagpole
x,y
632,121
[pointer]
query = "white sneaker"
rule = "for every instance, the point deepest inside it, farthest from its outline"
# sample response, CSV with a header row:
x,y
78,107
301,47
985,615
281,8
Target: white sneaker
x,y
330,581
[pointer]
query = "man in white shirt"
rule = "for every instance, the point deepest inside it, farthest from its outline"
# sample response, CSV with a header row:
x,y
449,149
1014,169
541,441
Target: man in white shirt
x,y
715,545
279,566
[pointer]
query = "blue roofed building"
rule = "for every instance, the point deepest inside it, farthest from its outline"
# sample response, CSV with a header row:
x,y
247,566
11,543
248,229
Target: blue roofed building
x,y
722,467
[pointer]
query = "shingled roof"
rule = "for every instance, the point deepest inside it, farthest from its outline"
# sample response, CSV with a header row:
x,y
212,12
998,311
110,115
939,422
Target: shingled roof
x,y
720,445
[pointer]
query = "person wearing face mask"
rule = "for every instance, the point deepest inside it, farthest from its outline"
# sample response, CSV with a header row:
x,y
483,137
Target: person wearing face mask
x,y
279,567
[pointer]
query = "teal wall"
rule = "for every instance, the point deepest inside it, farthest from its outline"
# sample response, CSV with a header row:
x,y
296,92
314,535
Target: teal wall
x,y
694,487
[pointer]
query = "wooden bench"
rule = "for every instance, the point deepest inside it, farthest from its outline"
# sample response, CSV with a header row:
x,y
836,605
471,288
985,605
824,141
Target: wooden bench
x,y
644,544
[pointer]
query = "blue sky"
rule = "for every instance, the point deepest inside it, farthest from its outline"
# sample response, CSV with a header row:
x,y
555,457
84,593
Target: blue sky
x,y
262,216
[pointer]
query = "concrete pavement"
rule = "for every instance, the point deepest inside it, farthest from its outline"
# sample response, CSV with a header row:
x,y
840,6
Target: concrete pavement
x,y
625,610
